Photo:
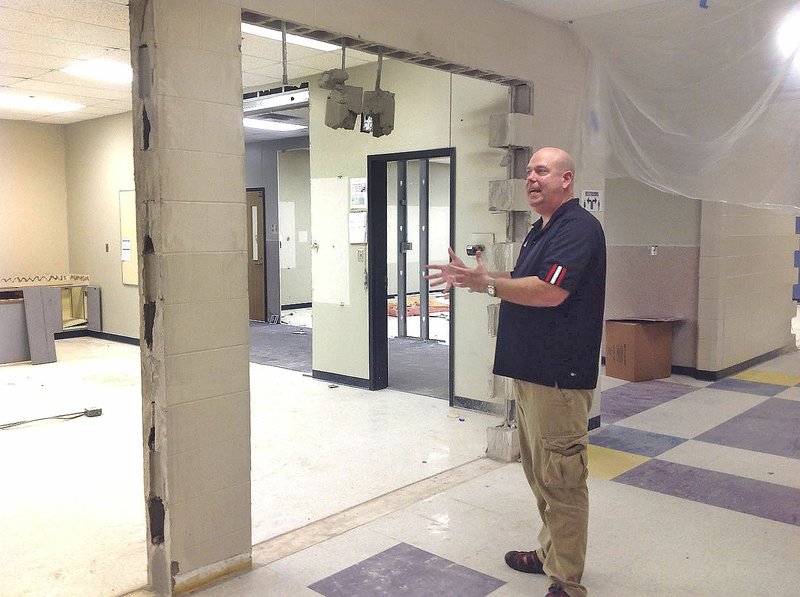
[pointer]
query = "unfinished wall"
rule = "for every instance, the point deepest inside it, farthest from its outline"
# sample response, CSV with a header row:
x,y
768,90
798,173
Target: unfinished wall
x,y
664,285
99,160
447,111
33,200
746,277
191,210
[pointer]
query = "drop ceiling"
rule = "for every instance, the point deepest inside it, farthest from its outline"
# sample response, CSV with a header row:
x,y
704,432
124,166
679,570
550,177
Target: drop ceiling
x,y
40,37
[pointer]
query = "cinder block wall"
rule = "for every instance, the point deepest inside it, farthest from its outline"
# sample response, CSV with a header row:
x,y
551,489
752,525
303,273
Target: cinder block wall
x,y
189,170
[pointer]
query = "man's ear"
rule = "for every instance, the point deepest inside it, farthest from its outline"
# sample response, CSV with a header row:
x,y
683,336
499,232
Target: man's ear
x,y
567,178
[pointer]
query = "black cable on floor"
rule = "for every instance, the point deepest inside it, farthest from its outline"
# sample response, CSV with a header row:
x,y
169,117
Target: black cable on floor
x,y
87,412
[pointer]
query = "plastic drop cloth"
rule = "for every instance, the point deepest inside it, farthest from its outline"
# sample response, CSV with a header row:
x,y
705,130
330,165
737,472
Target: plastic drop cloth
x,y
703,103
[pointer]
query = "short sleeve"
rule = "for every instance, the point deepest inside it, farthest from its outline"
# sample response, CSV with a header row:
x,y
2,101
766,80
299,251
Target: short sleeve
x,y
569,253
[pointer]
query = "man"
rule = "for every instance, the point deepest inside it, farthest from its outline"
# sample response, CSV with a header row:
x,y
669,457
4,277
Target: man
x,y
548,341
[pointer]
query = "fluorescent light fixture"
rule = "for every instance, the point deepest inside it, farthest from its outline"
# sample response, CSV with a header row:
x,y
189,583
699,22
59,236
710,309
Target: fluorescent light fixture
x,y
290,38
277,100
101,69
30,103
789,34
271,125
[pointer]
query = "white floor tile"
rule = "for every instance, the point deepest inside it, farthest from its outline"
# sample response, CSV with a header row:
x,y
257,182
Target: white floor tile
x,y
734,461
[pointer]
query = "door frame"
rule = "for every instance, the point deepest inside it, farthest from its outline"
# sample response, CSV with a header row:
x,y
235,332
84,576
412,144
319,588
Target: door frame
x,y
377,279
262,242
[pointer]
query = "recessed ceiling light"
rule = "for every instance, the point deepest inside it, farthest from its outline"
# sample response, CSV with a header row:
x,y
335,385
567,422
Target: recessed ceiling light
x,y
271,125
101,69
290,38
789,34
30,103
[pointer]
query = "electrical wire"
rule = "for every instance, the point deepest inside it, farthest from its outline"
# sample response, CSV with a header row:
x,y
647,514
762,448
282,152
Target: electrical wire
x,y
88,412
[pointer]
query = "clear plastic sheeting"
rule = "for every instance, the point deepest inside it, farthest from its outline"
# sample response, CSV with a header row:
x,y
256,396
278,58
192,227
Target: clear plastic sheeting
x,y
703,103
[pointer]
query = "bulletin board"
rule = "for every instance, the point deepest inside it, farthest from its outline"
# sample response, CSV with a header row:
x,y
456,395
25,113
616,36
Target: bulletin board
x,y
129,251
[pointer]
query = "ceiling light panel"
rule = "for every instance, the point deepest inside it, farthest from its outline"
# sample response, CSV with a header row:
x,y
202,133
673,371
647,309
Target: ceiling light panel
x,y
101,69
290,39
271,125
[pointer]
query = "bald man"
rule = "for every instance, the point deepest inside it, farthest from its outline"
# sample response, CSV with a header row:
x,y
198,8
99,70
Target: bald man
x,y
548,342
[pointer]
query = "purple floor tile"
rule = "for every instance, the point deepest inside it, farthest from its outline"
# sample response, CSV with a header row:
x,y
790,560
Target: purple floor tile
x,y
748,387
634,441
632,398
766,500
406,570
770,427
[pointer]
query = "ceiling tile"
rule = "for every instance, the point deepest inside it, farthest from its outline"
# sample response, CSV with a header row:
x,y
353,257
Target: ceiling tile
x,y
321,62
23,72
25,42
34,59
97,12
68,92
251,62
62,29
73,80
5,81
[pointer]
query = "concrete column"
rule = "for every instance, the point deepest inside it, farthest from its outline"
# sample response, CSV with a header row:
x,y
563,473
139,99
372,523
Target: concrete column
x,y
190,208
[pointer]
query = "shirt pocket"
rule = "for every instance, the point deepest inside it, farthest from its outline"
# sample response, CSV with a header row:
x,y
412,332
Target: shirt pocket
x,y
565,461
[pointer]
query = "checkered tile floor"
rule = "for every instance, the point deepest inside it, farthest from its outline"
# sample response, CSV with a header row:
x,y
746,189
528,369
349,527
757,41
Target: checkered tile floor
x,y
732,443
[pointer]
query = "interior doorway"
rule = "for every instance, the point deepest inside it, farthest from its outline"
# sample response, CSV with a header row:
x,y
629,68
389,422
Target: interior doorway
x,y
256,276
410,223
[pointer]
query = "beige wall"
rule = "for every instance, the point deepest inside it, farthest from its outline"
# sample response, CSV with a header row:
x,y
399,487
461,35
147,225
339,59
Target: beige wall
x,y
33,200
641,285
99,160
746,277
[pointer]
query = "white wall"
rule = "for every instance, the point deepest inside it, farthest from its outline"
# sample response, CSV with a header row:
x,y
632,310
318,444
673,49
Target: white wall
x,y
33,200
99,164
294,196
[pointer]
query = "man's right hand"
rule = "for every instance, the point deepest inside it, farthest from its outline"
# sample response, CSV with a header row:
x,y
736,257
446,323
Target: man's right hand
x,y
444,274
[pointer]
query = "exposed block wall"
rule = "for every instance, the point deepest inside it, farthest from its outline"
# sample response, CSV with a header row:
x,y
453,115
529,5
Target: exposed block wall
x,y
508,195
511,130
191,233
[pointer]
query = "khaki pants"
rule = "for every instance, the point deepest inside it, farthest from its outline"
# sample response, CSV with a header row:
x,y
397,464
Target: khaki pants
x,y
553,440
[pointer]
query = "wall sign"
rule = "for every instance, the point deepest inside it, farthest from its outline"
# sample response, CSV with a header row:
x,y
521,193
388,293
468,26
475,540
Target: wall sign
x,y
592,200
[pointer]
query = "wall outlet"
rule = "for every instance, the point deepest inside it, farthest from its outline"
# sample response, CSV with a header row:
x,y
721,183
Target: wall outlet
x,y
654,250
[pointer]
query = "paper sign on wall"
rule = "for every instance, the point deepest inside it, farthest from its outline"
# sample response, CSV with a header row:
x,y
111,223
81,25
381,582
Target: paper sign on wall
x,y
592,200
358,227
358,193
126,249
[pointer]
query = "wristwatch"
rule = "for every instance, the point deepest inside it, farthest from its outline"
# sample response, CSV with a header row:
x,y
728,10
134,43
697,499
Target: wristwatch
x,y
490,287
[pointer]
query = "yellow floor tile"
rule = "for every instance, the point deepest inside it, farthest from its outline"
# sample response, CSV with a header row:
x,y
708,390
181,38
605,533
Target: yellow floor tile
x,y
606,463
781,379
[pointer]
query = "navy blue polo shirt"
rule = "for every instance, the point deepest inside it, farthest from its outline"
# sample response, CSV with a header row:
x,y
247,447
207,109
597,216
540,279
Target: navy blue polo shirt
x,y
557,346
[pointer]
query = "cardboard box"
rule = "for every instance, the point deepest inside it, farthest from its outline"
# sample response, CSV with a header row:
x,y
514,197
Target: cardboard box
x,y
638,349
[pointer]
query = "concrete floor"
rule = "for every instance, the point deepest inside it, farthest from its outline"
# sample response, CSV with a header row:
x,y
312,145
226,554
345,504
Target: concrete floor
x,y
695,487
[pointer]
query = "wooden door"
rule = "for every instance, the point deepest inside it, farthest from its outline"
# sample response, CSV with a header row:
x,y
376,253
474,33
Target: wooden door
x,y
256,281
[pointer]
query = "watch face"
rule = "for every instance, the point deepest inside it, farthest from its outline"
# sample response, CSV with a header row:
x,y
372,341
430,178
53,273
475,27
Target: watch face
x,y
490,289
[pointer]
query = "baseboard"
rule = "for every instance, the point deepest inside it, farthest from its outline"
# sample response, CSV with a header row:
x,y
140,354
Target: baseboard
x,y
338,378
704,375
95,334
296,306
